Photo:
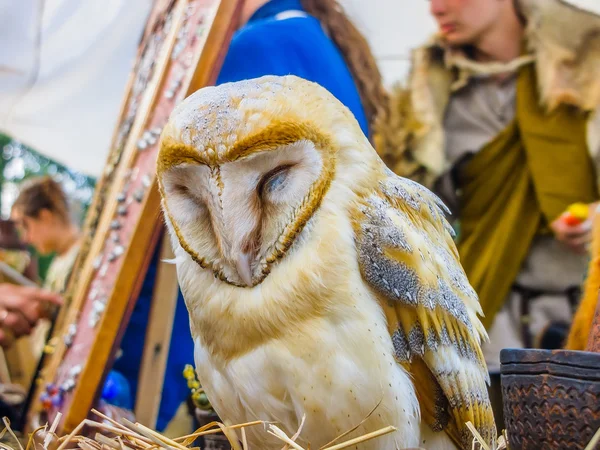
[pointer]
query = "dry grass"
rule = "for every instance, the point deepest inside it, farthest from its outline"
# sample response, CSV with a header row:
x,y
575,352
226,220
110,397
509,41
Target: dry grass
x,y
502,443
125,435
479,443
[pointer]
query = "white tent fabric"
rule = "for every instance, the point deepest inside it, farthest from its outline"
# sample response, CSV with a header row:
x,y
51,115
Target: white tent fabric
x,y
64,65
63,69
592,6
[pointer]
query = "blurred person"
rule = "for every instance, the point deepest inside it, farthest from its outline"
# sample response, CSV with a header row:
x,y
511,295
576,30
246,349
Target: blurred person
x,y
497,118
42,216
21,308
312,39
41,212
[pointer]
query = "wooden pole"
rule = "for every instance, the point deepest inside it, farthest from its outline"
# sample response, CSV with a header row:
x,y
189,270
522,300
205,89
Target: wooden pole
x,y
158,339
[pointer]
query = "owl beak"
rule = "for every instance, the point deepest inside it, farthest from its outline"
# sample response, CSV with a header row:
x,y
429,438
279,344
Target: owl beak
x,y
244,267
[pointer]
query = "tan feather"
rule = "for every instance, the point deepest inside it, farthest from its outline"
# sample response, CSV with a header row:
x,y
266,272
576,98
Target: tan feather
x,y
431,308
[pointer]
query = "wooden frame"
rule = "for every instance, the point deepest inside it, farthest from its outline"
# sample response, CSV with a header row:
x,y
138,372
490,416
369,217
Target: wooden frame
x,y
183,46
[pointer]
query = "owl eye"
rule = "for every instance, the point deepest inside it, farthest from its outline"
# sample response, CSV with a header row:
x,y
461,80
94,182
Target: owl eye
x,y
185,192
273,180
181,189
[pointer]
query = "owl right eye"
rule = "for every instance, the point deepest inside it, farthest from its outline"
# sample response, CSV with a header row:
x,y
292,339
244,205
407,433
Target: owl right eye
x,y
184,193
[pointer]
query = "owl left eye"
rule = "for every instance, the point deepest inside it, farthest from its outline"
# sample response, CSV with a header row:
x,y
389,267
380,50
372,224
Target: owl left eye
x,y
273,180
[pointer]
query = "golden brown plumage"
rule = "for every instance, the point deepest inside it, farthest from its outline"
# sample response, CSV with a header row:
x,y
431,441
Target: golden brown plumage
x,y
317,281
407,255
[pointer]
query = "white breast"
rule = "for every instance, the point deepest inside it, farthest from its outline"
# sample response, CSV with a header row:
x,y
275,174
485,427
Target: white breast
x,y
335,374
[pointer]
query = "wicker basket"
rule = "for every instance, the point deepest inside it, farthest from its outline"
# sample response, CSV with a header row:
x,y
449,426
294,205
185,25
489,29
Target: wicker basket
x,y
551,398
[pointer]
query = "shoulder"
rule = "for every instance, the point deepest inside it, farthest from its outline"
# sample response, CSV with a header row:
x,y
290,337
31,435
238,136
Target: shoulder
x,y
276,34
275,47
556,29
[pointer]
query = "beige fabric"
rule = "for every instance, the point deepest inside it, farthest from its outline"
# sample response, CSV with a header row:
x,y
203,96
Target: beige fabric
x,y
548,266
411,137
60,269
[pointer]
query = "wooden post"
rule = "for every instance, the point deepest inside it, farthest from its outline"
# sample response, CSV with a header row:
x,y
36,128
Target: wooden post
x,y
158,340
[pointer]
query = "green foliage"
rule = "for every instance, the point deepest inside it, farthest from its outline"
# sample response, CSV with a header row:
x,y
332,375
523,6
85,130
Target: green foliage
x,y
43,262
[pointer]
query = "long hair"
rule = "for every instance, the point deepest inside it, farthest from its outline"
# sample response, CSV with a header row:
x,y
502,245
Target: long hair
x,y
356,52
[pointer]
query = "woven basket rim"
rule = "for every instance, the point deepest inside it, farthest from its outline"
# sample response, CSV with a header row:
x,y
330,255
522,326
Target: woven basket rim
x,y
585,361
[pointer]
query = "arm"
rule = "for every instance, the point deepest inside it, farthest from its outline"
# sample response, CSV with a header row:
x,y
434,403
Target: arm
x,y
20,310
577,237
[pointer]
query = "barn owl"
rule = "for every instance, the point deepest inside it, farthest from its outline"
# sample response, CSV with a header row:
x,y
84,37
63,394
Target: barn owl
x,y
318,283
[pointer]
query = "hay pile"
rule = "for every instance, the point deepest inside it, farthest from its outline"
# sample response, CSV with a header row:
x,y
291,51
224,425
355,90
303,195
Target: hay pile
x,y
109,434
126,435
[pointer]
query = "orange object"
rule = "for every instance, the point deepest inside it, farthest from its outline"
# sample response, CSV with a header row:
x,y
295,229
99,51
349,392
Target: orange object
x,y
584,317
576,214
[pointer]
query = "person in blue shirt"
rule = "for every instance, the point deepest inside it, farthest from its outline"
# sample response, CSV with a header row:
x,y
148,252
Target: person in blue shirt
x,y
312,39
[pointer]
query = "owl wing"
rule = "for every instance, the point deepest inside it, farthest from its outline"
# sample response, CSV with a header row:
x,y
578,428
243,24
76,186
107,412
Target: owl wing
x,y
408,257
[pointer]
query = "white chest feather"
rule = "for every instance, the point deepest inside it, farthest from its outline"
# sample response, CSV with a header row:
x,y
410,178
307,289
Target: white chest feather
x,y
334,373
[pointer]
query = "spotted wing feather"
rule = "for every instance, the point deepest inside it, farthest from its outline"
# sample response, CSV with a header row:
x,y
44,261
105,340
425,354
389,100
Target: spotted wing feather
x,y
408,257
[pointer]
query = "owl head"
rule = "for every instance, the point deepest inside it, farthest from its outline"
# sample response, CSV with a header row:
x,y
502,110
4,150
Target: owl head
x,y
244,166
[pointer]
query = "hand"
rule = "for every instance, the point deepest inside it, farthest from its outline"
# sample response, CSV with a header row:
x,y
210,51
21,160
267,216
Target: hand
x,y
20,309
576,237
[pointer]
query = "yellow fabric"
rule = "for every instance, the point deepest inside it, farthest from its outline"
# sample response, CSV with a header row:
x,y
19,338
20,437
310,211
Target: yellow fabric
x,y
582,322
515,186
